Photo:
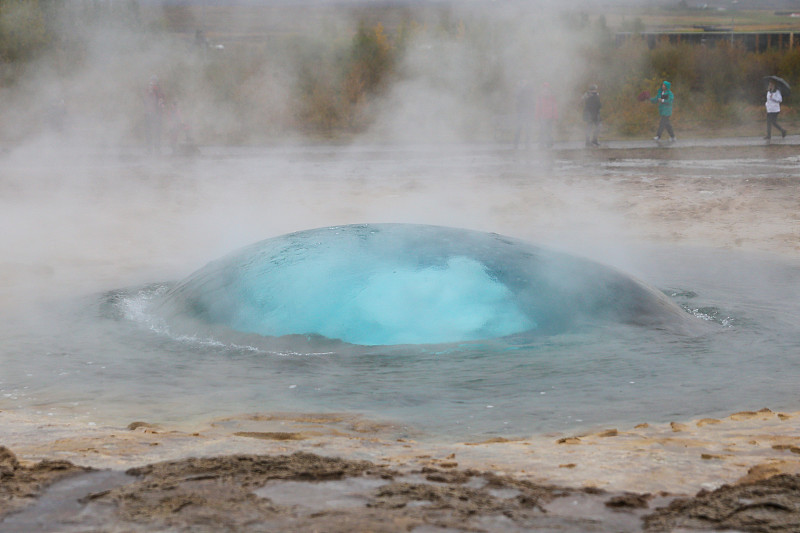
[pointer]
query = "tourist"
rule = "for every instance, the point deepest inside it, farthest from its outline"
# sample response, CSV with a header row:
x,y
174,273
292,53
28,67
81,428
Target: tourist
x,y
664,99
773,104
546,114
591,115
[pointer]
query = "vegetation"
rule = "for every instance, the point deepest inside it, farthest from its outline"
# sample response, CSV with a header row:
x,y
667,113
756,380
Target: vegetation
x,y
715,88
23,31
336,82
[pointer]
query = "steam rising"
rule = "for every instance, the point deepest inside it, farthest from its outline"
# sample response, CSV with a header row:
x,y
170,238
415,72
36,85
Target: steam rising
x,y
458,65
90,207
86,211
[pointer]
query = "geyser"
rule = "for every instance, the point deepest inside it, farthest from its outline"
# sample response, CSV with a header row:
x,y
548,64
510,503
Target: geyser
x,y
381,284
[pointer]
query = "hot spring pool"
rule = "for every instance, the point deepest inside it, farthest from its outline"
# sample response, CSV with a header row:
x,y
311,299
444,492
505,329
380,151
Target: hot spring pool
x,y
95,245
117,355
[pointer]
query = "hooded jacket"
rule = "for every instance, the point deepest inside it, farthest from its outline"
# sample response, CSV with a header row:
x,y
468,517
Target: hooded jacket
x,y
665,94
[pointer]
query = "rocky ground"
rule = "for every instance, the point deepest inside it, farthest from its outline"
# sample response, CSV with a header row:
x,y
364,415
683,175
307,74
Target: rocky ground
x,y
307,492
340,473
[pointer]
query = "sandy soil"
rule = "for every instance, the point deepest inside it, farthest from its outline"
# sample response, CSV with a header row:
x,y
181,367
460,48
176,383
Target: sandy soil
x,y
304,472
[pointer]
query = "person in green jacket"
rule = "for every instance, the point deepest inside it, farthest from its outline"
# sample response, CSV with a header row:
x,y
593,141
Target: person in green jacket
x,y
664,99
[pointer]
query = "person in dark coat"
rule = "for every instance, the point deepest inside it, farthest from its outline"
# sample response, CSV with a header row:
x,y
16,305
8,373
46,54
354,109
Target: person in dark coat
x,y
591,115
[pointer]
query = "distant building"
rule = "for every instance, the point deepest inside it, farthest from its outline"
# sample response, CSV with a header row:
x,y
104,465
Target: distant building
x,y
751,41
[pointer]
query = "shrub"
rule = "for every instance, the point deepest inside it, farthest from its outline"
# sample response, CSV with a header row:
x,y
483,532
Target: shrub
x,y
22,30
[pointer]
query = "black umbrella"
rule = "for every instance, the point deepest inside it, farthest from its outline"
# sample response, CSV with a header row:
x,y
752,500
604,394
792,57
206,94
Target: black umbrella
x,y
781,83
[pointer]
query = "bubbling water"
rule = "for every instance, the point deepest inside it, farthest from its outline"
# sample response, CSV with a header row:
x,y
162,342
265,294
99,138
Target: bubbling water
x,y
389,284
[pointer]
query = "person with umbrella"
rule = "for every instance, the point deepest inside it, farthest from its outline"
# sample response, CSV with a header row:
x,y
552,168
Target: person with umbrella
x,y
773,104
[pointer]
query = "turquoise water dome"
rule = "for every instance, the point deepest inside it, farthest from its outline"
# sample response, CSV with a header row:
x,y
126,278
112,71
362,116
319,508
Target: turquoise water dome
x,y
389,284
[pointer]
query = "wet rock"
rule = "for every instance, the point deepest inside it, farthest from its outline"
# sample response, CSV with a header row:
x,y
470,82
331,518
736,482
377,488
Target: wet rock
x,y
223,494
8,463
21,484
270,435
253,469
788,447
629,501
608,433
133,426
712,456
773,467
240,493
747,415
439,476
493,440
217,492
771,505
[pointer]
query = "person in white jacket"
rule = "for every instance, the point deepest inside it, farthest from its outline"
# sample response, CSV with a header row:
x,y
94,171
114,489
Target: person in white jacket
x,y
774,100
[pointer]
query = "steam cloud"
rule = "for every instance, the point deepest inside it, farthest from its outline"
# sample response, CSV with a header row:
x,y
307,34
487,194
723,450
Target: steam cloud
x,y
459,67
90,208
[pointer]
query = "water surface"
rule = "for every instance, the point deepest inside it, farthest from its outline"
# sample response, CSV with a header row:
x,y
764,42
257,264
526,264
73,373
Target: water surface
x,y
93,252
